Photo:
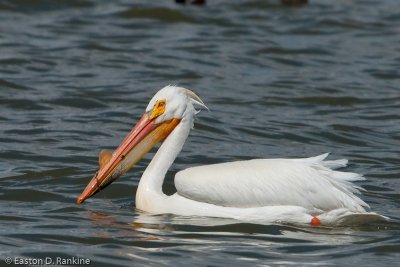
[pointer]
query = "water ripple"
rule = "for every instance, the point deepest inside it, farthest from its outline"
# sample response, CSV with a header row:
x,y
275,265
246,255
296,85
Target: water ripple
x,y
280,81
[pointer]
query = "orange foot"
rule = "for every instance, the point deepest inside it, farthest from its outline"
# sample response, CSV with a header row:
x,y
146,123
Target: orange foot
x,y
315,221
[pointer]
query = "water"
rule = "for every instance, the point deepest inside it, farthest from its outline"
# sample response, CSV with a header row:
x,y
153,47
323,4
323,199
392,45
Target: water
x,y
280,81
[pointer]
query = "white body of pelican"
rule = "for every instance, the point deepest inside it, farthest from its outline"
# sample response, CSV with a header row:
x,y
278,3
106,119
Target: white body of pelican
x,y
295,191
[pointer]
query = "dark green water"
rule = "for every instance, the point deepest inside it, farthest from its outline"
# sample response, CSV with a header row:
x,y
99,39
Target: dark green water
x,y
280,81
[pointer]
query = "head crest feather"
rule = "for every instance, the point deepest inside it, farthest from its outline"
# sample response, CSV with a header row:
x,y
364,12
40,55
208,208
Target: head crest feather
x,y
196,100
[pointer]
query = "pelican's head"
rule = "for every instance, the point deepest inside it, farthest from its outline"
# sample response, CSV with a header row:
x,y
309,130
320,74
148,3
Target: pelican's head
x,y
165,111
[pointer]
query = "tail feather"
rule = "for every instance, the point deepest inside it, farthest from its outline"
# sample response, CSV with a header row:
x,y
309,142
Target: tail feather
x,y
331,164
342,181
345,217
335,164
344,176
329,168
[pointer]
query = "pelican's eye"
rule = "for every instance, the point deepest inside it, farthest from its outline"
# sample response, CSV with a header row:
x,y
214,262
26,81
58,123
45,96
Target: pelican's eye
x,y
158,109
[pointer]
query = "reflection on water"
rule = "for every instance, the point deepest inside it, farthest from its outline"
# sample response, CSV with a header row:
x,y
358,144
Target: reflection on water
x,y
280,81
165,235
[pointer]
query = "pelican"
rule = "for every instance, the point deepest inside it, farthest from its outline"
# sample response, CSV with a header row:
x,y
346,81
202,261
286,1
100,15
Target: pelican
x,y
290,191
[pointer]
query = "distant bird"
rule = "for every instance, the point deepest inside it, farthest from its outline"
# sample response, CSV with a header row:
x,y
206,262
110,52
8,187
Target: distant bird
x,y
294,2
193,2
283,2
295,191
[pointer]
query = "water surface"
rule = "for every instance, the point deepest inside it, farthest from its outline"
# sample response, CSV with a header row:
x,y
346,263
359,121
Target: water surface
x,y
280,81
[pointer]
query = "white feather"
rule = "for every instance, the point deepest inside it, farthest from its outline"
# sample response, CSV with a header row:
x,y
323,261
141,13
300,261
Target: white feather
x,y
260,190
270,182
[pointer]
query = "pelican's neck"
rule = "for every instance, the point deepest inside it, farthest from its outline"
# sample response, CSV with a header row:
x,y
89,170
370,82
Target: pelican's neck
x,y
150,185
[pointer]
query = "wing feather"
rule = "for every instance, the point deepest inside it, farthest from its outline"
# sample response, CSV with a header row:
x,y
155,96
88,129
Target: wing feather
x,y
310,182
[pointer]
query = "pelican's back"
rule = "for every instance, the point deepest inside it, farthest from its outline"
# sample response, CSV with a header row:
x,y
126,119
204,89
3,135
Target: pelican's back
x,y
310,183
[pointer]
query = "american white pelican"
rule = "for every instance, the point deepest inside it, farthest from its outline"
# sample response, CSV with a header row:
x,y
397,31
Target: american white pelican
x,y
295,191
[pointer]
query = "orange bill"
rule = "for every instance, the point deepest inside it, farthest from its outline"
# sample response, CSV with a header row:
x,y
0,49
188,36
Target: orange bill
x,y
145,135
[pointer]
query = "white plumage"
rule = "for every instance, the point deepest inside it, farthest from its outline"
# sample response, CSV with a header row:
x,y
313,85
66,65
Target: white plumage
x,y
308,183
266,190
296,191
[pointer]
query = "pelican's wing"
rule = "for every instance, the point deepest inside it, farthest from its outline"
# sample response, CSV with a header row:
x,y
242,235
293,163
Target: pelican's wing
x,y
310,182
